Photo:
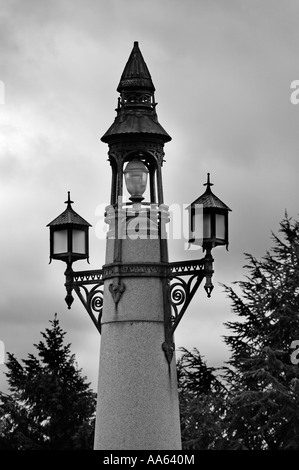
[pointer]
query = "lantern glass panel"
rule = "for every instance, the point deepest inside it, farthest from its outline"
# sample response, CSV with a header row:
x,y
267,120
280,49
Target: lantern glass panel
x,y
60,242
197,224
79,245
136,177
207,226
220,226
136,182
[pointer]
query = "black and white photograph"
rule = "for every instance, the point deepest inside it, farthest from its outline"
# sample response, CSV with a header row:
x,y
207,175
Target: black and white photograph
x,y
149,243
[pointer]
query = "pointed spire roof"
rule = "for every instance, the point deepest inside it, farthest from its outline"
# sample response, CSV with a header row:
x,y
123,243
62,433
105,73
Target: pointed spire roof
x,y
136,73
208,199
136,112
69,216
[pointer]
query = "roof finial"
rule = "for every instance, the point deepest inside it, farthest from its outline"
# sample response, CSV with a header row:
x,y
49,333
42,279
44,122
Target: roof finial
x,y
68,202
208,183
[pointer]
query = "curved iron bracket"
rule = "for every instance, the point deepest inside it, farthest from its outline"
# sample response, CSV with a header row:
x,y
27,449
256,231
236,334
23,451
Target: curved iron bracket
x,y
88,286
182,290
185,278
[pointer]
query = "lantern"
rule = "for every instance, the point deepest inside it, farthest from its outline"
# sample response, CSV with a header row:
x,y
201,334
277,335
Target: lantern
x,y
136,175
208,218
69,236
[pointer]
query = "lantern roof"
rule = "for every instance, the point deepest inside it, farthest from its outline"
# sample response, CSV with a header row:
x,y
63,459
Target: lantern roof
x,y
136,73
208,199
136,111
134,125
69,216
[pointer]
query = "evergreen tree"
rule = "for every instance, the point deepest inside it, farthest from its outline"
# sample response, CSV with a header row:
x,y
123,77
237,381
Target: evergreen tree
x,y
264,383
51,405
202,403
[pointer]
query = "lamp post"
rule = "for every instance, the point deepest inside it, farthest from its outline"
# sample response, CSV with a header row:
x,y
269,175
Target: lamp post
x,y
138,298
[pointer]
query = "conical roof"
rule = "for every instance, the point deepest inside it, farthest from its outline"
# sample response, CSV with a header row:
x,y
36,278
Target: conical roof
x,y
136,112
69,216
136,73
209,200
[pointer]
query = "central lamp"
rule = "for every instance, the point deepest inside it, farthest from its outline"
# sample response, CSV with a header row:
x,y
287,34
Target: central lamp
x,y
136,175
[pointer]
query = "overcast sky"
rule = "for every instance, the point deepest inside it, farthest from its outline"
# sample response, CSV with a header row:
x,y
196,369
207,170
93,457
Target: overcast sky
x,y
222,72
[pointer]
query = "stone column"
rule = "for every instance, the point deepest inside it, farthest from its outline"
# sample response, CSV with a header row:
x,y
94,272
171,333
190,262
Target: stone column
x,y
137,405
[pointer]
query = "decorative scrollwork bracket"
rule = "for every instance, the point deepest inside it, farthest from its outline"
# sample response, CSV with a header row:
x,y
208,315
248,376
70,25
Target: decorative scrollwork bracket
x,y
185,278
88,286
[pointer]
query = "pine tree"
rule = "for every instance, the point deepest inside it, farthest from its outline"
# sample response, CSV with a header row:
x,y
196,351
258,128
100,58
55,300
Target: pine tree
x,y
264,383
202,403
51,406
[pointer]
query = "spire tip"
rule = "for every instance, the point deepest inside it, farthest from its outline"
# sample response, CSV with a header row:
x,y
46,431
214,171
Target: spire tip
x,y
69,201
208,183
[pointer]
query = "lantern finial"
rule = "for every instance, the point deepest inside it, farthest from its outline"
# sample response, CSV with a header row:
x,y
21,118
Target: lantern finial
x,y
208,183
69,201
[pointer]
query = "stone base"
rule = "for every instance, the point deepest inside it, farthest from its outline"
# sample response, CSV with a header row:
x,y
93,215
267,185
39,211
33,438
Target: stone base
x,y
138,400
